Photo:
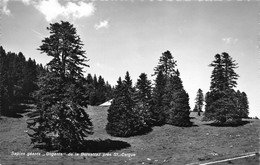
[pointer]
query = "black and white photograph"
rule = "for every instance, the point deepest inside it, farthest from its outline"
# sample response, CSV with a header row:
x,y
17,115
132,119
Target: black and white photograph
x,y
93,82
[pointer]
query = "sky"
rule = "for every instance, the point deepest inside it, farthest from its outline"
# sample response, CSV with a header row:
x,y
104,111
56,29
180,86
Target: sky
x,y
131,35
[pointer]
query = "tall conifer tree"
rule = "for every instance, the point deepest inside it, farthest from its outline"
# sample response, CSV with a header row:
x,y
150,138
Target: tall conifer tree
x,y
168,86
221,104
62,121
176,103
143,98
158,116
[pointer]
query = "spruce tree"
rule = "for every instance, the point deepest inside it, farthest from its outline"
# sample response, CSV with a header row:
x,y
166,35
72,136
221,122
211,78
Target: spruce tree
x,y
223,75
242,104
164,69
61,121
210,97
101,91
221,101
166,64
95,81
89,79
176,101
199,101
144,89
196,109
225,110
230,76
217,76
123,119
168,85
158,116
245,105
143,98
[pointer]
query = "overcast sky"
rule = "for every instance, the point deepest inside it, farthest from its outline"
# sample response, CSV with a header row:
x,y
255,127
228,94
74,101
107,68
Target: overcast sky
x,y
132,35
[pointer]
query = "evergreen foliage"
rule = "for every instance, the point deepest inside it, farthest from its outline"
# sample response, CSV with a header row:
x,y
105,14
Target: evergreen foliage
x,y
123,119
223,75
2,56
225,107
18,80
166,106
230,76
176,103
242,104
223,104
166,65
61,121
217,76
100,91
143,98
199,101
157,113
179,111
195,109
144,89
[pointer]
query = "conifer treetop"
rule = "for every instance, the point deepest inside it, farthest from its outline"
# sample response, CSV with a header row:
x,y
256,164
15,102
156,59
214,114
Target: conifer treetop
x,y
65,46
166,64
223,76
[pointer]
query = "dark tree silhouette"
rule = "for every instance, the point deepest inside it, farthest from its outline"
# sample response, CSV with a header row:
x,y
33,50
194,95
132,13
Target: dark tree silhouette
x,y
99,90
222,102
2,77
158,116
166,64
16,79
62,122
199,101
143,98
166,108
123,119
242,104
176,103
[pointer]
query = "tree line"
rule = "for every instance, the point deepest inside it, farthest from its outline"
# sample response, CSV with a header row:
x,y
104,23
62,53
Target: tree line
x,y
63,94
18,78
19,82
134,110
99,90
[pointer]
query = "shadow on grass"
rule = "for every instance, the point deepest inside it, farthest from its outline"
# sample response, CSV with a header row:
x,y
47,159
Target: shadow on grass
x,y
139,132
16,111
106,145
144,131
194,125
229,124
183,125
92,146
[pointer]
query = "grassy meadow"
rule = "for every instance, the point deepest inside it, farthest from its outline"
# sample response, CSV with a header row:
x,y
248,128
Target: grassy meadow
x,y
203,142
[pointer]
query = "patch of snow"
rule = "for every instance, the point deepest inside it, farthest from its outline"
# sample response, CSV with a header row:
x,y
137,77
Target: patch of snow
x,y
108,103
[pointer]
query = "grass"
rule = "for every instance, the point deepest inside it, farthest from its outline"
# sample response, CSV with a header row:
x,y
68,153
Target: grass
x,y
163,145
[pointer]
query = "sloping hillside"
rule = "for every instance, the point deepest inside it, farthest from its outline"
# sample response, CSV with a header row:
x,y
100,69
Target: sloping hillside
x,y
163,145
